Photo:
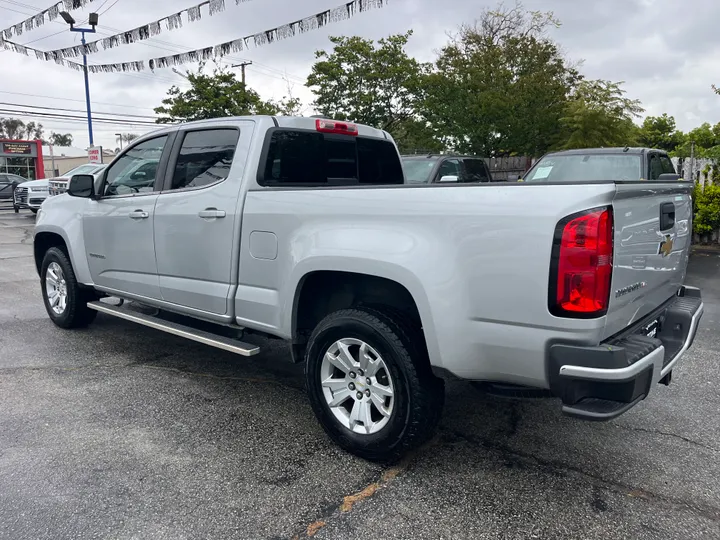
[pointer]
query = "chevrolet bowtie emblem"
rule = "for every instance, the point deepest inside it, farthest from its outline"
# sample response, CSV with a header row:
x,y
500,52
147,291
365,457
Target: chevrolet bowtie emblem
x,y
666,246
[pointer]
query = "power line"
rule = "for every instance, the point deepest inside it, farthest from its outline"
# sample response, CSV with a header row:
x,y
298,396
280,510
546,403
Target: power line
x,y
75,110
77,100
57,116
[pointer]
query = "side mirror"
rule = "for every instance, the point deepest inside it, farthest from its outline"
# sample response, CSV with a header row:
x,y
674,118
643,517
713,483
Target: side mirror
x,y
449,178
669,177
82,185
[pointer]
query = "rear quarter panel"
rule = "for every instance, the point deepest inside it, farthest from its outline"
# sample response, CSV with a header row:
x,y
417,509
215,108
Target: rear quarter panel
x,y
475,258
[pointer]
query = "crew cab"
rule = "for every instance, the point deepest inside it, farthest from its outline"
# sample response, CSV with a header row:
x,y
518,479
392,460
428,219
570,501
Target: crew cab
x,y
432,168
304,229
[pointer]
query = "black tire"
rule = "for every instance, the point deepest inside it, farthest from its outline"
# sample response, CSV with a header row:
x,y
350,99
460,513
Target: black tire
x,y
419,395
34,210
17,209
76,313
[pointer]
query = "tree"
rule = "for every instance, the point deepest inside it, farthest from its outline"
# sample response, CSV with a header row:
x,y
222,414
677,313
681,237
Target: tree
x,y
14,128
369,83
128,137
598,115
212,96
500,86
60,139
660,132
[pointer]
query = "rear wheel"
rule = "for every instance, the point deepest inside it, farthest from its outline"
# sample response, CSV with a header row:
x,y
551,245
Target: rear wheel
x,y
34,210
65,301
370,384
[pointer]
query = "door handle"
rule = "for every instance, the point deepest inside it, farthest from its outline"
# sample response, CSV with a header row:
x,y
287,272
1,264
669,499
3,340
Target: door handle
x,y
667,216
138,214
209,213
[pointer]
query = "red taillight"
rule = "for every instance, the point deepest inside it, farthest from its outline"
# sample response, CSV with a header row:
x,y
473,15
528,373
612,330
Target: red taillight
x,y
582,265
333,126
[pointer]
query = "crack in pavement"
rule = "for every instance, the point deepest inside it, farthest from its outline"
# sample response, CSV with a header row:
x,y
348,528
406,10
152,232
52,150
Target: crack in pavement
x,y
667,434
703,510
349,501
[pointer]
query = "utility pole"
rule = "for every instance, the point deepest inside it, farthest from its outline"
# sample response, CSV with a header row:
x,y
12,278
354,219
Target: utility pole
x,y
93,20
692,162
242,67
119,137
52,159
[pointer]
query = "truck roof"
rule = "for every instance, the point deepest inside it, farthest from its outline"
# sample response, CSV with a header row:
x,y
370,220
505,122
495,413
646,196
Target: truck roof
x,y
613,150
292,122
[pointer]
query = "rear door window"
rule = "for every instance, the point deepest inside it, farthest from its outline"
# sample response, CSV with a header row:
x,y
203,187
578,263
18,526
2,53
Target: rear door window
x,y
655,167
474,170
666,165
205,158
307,158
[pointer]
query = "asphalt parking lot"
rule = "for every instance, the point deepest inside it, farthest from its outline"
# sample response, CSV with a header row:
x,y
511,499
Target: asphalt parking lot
x,y
122,432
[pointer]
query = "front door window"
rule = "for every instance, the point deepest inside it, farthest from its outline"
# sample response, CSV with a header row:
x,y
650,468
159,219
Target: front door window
x,y
136,170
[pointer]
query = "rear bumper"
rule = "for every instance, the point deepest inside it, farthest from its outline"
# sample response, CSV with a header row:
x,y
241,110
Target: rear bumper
x,y
601,383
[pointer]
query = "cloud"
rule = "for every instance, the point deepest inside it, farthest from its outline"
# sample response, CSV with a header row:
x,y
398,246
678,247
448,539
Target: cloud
x,y
665,51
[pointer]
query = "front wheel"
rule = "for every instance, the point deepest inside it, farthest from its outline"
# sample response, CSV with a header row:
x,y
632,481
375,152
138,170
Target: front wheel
x,y
34,210
65,301
370,384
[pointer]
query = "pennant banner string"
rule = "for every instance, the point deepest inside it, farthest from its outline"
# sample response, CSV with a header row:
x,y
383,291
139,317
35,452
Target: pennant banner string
x,y
146,31
49,14
342,12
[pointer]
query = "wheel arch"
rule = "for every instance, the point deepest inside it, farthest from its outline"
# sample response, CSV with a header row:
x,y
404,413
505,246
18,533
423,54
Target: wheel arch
x,y
71,242
320,292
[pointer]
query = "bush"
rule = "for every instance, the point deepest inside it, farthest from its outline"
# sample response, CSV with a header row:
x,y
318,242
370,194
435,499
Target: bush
x,y
706,206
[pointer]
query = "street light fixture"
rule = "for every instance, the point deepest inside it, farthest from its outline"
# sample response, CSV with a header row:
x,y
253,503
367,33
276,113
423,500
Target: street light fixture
x,y
67,18
93,21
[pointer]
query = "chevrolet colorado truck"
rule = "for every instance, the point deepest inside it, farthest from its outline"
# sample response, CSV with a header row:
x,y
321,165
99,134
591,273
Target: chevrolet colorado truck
x,y
304,229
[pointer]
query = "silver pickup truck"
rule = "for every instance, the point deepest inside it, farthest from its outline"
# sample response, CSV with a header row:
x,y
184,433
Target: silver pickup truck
x,y
303,229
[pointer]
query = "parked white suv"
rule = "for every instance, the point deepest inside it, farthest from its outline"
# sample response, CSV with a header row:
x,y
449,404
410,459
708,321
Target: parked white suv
x,y
30,195
59,184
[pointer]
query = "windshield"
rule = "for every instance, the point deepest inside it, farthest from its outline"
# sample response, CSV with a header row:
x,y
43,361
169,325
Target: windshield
x,y
417,170
85,169
586,168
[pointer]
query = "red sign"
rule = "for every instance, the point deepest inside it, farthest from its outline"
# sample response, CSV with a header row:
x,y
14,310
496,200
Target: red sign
x,y
17,148
95,154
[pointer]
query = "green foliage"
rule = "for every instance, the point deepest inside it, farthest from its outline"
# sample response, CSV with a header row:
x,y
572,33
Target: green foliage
x,y
374,84
60,139
215,96
707,209
14,128
660,132
500,86
598,114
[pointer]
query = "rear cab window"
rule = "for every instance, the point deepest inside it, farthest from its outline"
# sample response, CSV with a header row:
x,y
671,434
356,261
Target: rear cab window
x,y
306,158
586,168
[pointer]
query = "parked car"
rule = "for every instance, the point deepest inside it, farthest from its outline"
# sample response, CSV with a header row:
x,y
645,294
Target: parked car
x,y
59,184
291,227
8,183
432,168
30,195
602,164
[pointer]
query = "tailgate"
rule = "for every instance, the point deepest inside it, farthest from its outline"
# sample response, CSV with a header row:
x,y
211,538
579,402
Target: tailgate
x,y
651,248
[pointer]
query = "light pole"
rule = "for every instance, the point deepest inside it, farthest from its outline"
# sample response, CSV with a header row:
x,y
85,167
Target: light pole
x,y
92,20
120,138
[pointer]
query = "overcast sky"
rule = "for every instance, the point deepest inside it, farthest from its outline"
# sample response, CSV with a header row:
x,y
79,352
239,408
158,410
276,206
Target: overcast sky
x,y
665,50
